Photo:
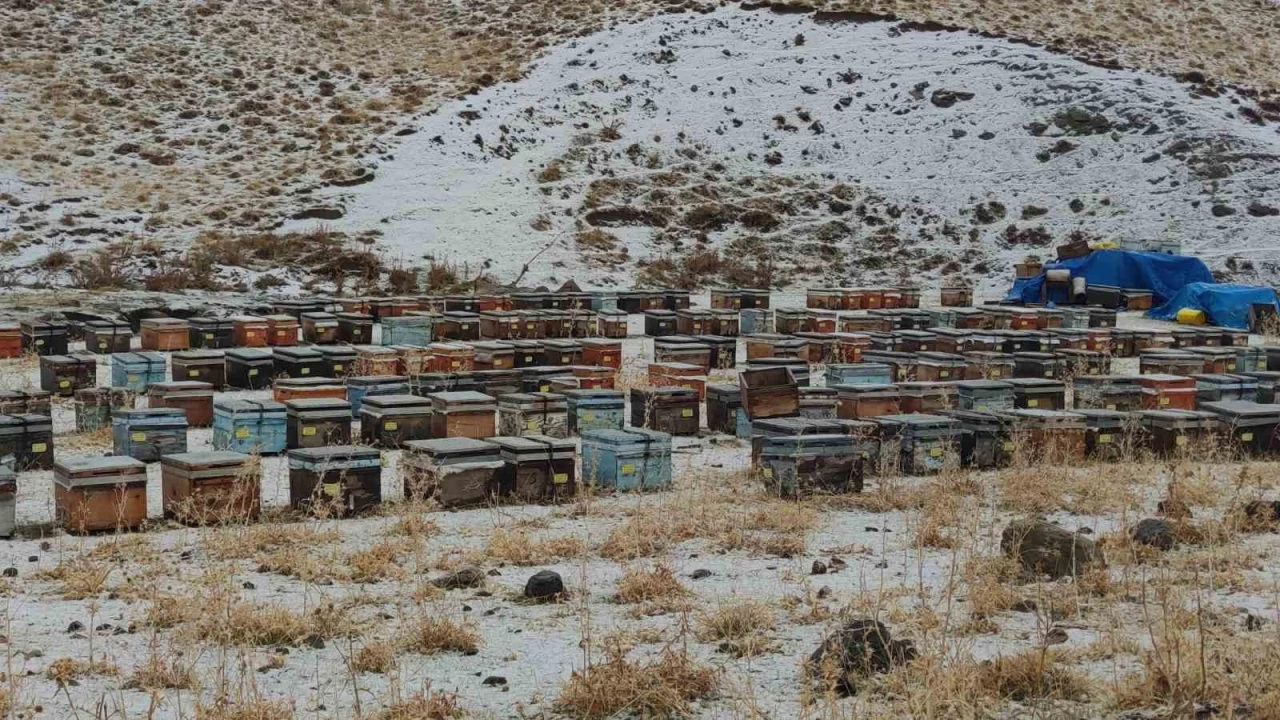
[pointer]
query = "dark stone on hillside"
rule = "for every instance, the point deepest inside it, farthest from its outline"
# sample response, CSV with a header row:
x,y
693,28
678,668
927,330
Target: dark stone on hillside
x,y
313,641
544,585
495,681
819,568
988,135
1257,209
467,577
1220,210
859,649
1044,548
839,207
11,572
362,176
700,573
1156,532
1263,512
947,98
75,627
1078,121
320,213
1033,211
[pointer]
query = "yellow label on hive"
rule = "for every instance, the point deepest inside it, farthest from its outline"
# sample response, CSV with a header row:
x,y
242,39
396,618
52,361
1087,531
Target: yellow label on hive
x,y
588,416
457,363
465,326
390,425
1246,437
253,371
944,373
39,341
102,345
544,388
560,478
688,412
133,378
1111,406
208,336
1104,438
532,425
935,452
1231,366
1182,440
565,359
308,431
193,373
1033,403
138,436
280,333
1164,400
242,433
528,358
305,371
332,489
1048,373
251,334
64,383
529,326
1008,446
767,472
627,469
337,368
39,447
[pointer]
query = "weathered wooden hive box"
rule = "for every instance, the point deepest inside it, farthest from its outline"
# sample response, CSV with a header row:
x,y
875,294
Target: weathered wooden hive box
x,y
92,494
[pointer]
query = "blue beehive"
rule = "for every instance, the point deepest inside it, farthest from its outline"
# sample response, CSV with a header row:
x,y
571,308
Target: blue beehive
x,y
249,426
137,371
359,387
627,460
594,410
413,330
754,321
859,374
147,434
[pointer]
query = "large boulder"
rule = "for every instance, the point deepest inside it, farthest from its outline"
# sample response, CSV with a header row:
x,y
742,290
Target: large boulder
x,y
860,648
1044,548
1156,532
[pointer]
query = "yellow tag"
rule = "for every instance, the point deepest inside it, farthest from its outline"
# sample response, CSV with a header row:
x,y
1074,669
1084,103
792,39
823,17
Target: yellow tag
x,y
102,345
528,358
133,378
1182,440
64,383
560,478
516,323
251,334
138,436
767,472
627,469
1231,366
529,326
337,367
944,373
1111,407
1033,403
242,433
935,452
332,489
39,341
208,336
1104,439
544,388
1246,437
1048,373
1008,446
39,447
588,416
308,431
280,333
193,373
253,371
1164,400
565,359
686,413
697,326
390,425
532,425
457,363
465,326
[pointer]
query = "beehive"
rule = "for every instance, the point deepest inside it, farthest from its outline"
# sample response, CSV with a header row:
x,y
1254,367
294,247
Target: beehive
x,y
317,422
191,396
100,493
335,480
210,487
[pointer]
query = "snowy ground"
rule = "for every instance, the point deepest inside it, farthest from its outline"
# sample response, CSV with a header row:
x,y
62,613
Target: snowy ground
x,y
535,648
934,134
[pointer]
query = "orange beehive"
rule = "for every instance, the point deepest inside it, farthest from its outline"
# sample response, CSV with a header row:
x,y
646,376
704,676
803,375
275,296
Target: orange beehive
x,y
249,331
282,330
376,360
594,377
10,340
679,375
597,351
452,358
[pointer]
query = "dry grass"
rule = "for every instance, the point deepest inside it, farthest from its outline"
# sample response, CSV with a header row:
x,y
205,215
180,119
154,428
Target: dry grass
x,y
659,687
239,623
66,671
80,577
249,709
435,634
378,656
740,628
378,562
248,541
523,549
433,706
161,674
773,527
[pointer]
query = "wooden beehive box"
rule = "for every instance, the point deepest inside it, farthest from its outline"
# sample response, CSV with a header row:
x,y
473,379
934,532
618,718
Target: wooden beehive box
x,y
250,331
208,366
282,330
769,392
336,480
463,414
192,397
389,421
376,360
165,334
317,422
451,357
216,486
93,494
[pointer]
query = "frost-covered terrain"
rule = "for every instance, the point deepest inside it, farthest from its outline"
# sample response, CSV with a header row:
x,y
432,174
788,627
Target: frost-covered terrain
x,y
801,145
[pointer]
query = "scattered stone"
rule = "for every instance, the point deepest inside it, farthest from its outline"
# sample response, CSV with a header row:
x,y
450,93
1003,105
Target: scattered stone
x,y
493,573
947,98
819,568
1055,636
75,626
544,585
11,572
1220,210
773,158
837,564
1033,211
495,680
33,558
824,592
988,135
1078,121
46,546
248,585
1253,623
1262,512
1156,532
1257,209
700,573
1045,548
321,212
467,577
862,647
315,642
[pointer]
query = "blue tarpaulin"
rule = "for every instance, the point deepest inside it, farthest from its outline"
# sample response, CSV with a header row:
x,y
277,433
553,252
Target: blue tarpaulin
x,y
1164,275
1225,305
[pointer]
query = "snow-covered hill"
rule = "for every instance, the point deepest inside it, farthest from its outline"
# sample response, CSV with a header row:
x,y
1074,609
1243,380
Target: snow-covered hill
x,y
748,145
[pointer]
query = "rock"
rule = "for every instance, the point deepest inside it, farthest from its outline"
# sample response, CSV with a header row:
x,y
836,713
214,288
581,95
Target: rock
x,y
837,564
1042,547
1220,210
1252,622
862,647
495,680
467,577
947,98
33,558
544,585
1056,636
819,568
700,573
773,158
320,212
824,592
1156,532
75,626
248,585
315,642
1262,512
1257,209
46,546
11,572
